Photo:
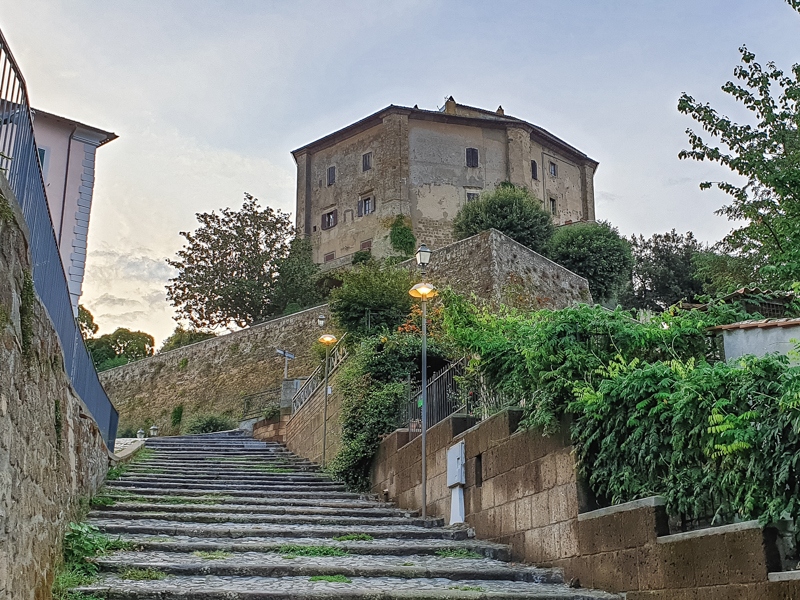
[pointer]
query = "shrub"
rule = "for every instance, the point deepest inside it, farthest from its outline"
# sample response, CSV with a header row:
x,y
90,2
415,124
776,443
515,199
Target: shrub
x,y
597,252
361,257
183,337
271,412
177,415
371,297
209,424
513,210
401,236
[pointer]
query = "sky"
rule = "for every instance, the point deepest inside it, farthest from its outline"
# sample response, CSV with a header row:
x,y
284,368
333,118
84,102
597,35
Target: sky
x,y
210,97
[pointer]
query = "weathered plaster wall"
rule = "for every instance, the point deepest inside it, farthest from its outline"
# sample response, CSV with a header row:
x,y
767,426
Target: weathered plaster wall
x,y
51,451
522,490
212,375
761,341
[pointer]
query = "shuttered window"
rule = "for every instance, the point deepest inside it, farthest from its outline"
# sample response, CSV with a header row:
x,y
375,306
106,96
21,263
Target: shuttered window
x,y
553,169
534,170
330,256
331,175
552,206
366,161
472,157
366,206
329,219
367,245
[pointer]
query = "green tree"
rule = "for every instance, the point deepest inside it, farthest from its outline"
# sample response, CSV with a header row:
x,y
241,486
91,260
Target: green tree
x,y
297,285
183,337
766,153
721,272
119,348
663,270
596,251
228,268
86,322
371,296
513,210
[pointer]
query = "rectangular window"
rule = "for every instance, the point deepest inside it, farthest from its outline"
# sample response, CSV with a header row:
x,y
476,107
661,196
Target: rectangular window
x,y
553,169
366,161
534,170
552,206
329,219
330,256
366,205
472,157
331,175
472,195
367,245
42,153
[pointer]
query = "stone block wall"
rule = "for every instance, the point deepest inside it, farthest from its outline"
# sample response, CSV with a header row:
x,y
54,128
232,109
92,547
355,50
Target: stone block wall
x,y
52,454
495,268
304,431
522,489
213,375
272,430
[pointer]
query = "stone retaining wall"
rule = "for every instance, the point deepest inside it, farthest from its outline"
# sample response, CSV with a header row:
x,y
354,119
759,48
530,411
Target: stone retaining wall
x,y
522,490
52,454
304,430
213,375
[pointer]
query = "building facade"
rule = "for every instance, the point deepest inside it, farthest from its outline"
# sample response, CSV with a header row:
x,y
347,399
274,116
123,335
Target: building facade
x,y
426,165
67,153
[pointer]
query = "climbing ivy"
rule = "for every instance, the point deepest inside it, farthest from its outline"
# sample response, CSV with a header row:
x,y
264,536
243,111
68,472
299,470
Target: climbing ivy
x,y
401,236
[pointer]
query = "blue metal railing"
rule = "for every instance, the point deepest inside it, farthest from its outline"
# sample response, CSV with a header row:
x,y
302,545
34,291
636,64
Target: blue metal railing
x,y
19,162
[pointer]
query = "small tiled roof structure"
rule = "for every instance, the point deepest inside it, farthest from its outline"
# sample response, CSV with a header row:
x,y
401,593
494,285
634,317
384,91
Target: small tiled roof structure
x,y
760,323
768,303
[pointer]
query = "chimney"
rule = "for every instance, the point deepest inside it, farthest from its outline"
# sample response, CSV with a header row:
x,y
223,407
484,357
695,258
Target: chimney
x,y
500,110
450,106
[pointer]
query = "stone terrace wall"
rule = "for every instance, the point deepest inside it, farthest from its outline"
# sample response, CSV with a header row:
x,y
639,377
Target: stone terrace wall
x,y
496,268
212,375
51,451
304,431
521,489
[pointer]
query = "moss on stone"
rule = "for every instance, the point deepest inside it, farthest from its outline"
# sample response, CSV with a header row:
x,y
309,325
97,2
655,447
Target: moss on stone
x,y
6,212
26,308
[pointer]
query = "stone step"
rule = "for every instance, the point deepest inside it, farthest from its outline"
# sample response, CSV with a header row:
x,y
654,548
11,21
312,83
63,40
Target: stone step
x,y
311,509
248,476
321,487
198,516
158,527
143,490
255,502
213,587
374,547
286,564
221,451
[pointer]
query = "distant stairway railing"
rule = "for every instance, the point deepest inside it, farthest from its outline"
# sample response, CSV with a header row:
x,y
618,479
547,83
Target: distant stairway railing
x,y
317,379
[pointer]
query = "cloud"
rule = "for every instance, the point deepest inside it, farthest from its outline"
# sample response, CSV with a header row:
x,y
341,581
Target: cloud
x,y
107,300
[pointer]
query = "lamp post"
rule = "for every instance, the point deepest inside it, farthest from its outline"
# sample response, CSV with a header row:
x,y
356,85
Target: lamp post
x,y
154,431
328,340
424,291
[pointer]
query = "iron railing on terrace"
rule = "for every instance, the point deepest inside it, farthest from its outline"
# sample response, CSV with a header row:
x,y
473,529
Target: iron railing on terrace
x,y
317,379
19,162
254,405
448,394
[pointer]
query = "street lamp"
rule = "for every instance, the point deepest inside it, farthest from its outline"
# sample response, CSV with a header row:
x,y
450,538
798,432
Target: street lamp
x,y
154,431
329,340
140,434
424,291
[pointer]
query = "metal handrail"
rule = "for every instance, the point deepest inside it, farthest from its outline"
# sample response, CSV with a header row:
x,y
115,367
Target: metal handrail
x,y
20,164
317,379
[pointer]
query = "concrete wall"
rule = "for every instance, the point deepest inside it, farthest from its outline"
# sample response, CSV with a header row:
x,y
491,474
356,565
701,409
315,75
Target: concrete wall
x,y
51,450
212,375
522,490
761,341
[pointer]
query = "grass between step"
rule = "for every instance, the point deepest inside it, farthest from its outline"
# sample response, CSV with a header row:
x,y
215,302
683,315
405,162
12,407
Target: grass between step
x,y
354,537
211,555
467,588
293,551
142,574
457,553
331,578
115,473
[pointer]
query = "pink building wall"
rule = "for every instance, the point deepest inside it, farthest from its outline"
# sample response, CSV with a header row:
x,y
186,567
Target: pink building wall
x,y
67,150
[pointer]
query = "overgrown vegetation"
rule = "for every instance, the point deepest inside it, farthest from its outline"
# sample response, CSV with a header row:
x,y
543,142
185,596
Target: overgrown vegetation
x,y
373,384
26,307
457,553
183,337
209,424
6,212
652,411
82,543
212,554
134,574
401,237
354,537
330,578
292,550
371,297
513,210
176,416
272,411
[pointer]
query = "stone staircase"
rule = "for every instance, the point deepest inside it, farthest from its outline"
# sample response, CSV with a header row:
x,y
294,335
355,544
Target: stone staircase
x,y
222,516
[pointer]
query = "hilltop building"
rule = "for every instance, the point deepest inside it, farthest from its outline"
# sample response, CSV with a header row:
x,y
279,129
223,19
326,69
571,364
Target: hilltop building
x,y
426,165
67,154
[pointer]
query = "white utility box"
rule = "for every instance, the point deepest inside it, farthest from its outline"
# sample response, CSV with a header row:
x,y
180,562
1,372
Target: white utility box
x,y
456,473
